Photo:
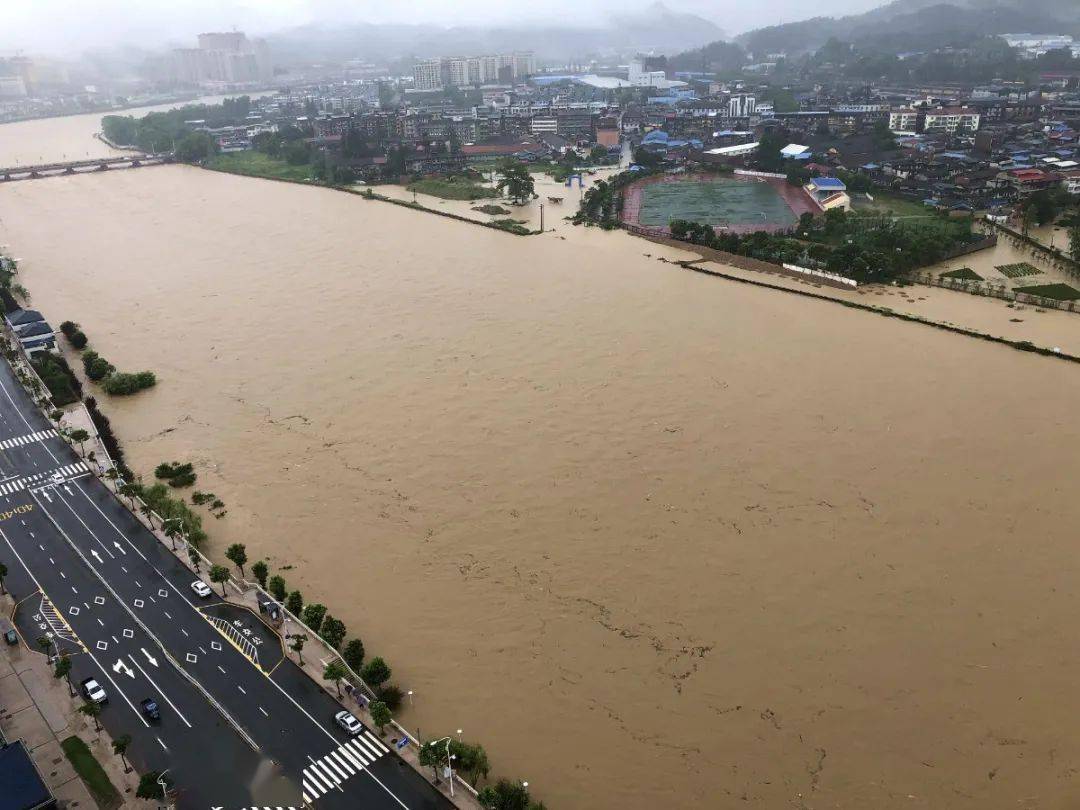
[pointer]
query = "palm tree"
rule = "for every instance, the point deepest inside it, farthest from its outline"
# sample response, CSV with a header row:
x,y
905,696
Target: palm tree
x,y
335,671
219,574
120,746
46,645
129,491
93,711
63,670
297,645
80,436
171,528
148,513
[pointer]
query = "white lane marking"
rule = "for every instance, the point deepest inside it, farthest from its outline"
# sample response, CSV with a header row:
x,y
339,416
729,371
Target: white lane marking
x,y
365,756
63,575
378,743
202,651
88,652
340,760
242,690
160,690
309,773
366,747
265,713
99,621
223,672
161,743
334,767
167,616
330,778
306,795
354,758
182,630
137,583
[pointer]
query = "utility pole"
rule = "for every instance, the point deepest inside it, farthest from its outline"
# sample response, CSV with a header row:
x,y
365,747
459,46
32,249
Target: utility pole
x,y
541,217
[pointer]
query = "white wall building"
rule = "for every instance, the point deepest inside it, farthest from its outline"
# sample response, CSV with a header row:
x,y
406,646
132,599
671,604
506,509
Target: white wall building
x,y
741,105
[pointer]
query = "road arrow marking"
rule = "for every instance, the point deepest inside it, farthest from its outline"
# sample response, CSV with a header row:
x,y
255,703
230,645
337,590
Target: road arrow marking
x,y
119,547
120,666
95,555
149,657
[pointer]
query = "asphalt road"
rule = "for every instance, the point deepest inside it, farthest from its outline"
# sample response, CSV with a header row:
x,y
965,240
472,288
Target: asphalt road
x,y
241,725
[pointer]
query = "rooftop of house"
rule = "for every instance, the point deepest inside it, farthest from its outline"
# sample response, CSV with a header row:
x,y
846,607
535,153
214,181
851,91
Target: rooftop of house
x,y
19,317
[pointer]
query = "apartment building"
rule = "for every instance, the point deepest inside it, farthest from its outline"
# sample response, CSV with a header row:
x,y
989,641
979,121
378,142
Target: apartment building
x,y
952,120
435,74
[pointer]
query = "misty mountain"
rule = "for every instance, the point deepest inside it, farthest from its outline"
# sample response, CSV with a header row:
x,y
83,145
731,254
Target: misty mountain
x,y
918,25
655,28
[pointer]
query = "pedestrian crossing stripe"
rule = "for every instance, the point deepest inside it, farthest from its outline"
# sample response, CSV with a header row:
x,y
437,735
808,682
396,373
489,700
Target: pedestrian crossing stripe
x,y
9,487
346,760
29,438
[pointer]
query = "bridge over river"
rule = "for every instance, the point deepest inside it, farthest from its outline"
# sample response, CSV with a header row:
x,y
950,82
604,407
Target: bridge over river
x,y
12,173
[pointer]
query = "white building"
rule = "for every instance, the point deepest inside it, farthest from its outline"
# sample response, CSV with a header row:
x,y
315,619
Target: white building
x,y
428,75
905,120
741,105
952,120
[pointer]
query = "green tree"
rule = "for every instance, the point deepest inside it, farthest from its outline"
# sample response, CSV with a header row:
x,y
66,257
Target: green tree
x,y
1074,242
4,573
354,654
332,631
297,645
313,616
237,554
433,755
220,575
335,671
505,795
195,147
294,603
150,786
93,711
63,670
380,715
276,587
120,748
80,436
515,181
375,672
259,570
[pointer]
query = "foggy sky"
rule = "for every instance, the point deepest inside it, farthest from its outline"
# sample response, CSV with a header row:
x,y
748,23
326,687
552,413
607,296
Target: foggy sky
x,y
67,27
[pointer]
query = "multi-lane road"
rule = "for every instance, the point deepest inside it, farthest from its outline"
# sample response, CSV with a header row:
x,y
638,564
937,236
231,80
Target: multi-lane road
x,y
241,725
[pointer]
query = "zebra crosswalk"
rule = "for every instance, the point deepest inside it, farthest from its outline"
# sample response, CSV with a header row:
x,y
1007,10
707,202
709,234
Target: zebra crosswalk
x,y
29,438
9,487
41,479
343,762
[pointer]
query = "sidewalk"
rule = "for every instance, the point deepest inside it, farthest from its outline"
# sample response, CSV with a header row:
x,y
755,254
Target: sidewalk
x,y
38,709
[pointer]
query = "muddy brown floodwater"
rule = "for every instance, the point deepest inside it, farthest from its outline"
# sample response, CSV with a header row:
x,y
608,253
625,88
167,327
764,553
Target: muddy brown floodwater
x,y
655,539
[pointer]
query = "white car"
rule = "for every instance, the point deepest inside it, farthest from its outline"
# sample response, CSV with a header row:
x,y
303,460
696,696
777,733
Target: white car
x,y
93,691
57,479
201,588
348,722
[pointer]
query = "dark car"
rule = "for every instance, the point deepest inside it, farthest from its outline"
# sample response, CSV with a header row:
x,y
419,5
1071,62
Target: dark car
x,y
150,709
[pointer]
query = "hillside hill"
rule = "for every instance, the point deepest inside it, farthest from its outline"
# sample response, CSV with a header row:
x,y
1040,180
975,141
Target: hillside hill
x,y
918,25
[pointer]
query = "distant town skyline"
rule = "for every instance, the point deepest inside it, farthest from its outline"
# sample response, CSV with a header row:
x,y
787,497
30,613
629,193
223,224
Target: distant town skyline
x,y
67,27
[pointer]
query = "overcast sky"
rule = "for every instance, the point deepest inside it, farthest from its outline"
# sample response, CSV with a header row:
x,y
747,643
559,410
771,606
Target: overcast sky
x,y
63,26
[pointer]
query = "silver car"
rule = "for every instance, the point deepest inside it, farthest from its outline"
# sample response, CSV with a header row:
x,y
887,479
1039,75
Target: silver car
x,y
348,722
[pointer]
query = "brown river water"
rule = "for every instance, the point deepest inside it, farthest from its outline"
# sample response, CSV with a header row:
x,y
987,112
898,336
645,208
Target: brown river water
x,y
655,539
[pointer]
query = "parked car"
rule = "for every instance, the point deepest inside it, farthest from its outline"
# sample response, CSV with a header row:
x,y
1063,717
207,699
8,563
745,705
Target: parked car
x,y
8,632
201,588
93,692
150,709
348,722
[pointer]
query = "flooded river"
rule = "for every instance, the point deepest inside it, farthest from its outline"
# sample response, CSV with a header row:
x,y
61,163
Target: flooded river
x,y
655,539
